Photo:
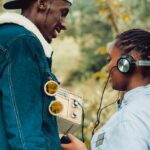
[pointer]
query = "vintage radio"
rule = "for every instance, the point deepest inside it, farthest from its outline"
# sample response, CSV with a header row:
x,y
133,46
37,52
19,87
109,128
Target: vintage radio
x,y
67,108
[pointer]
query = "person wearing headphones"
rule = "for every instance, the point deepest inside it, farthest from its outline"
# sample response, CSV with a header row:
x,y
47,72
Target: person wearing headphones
x,y
25,69
129,69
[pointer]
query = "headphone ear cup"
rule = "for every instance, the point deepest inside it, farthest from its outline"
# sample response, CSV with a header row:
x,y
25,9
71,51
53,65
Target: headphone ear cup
x,y
126,64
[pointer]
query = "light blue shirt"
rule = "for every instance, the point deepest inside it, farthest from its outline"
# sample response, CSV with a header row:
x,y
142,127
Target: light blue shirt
x,y
129,128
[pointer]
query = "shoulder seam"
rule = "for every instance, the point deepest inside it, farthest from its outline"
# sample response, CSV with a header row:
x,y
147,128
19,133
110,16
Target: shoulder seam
x,y
22,35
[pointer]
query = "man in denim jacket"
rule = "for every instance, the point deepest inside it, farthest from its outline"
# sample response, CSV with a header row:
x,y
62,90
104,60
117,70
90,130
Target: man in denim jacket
x,y
25,123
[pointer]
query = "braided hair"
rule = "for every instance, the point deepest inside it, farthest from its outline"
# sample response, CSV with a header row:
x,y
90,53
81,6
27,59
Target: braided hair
x,y
138,40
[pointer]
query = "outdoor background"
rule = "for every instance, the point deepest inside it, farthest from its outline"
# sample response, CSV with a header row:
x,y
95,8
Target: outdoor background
x,y
80,52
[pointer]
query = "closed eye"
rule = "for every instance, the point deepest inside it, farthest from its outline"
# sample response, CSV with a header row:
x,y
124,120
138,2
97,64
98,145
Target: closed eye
x,y
64,12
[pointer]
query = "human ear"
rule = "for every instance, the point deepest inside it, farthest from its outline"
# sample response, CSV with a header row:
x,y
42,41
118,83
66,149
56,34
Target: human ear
x,y
42,4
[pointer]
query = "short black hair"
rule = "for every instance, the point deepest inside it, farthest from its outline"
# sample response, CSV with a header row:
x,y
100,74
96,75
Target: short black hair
x,y
18,4
138,40
27,4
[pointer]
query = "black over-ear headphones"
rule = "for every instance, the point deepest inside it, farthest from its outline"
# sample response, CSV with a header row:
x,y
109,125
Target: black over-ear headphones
x,y
126,64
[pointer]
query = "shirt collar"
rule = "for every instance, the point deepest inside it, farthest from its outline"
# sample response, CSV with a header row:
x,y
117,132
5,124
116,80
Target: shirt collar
x,y
26,23
134,93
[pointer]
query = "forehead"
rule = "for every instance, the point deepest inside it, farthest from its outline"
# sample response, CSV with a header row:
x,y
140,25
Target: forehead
x,y
110,46
114,52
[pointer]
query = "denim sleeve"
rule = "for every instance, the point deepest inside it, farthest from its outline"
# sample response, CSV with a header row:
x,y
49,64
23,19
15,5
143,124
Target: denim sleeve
x,y
22,100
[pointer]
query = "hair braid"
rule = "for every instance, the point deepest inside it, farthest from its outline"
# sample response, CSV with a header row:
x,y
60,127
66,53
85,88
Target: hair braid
x,y
135,39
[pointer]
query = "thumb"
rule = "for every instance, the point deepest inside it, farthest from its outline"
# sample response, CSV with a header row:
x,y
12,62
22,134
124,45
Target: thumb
x,y
72,138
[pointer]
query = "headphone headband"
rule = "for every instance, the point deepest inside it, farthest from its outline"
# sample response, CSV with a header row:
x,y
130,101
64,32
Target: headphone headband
x,y
126,63
143,63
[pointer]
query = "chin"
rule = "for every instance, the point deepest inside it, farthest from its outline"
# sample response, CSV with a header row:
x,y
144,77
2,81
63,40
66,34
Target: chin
x,y
49,39
114,87
119,87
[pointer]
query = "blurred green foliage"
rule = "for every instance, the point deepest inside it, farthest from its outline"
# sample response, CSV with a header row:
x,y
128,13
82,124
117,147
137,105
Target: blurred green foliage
x,y
95,23
91,33
1,2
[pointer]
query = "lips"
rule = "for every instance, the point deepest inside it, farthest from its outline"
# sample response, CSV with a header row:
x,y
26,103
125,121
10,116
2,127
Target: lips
x,y
56,31
110,80
54,34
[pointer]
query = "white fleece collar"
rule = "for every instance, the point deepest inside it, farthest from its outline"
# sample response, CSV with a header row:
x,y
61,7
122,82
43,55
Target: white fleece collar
x,y
26,23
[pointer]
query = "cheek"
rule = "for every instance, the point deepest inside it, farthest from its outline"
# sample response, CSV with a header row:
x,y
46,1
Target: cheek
x,y
52,21
119,81
56,18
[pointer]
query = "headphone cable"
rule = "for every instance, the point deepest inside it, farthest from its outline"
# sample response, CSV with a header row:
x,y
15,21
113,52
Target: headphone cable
x,y
82,127
108,105
97,122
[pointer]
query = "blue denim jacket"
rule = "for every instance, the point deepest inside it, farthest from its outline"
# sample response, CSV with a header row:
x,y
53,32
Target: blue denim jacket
x,y
25,123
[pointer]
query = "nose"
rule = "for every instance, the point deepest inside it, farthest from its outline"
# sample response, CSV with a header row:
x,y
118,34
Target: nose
x,y
63,24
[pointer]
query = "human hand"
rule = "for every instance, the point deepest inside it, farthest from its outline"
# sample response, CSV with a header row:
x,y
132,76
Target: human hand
x,y
74,145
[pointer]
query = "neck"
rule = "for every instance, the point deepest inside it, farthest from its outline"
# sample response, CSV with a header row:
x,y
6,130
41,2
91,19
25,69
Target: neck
x,y
29,14
137,81
134,84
